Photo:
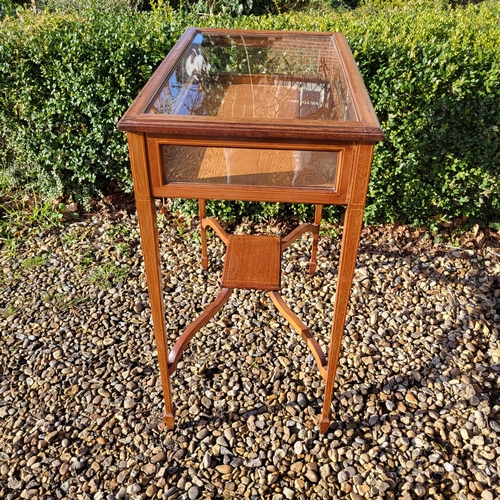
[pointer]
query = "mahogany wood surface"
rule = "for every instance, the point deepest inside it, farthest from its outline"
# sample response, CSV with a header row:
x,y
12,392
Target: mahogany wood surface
x,y
182,342
272,194
310,184
317,222
353,223
250,101
210,222
297,233
252,262
146,213
203,231
261,153
303,331
256,129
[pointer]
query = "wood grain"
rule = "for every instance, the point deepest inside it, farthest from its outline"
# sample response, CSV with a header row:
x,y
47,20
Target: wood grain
x,y
146,213
260,101
303,331
252,262
208,191
194,188
317,223
181,343
203,230
353,223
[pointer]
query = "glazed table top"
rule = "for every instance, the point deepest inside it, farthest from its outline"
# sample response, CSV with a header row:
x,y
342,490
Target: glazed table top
x,y
261,84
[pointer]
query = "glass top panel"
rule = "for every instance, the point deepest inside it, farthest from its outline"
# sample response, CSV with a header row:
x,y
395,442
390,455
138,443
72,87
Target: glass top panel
x,y
262,77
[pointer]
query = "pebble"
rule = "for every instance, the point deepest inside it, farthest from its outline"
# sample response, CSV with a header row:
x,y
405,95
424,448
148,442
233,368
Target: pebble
x,y
132,489
51,436
82,408
495,426
420,490
64,468
193,492
410,398
298,447
312,476
129,403
159,457
207,461
200,436
122,492
256,462
171,492
224,469
14,484
149,469
343,477
194,410
151,490
229,434
382,486
325,471
301,400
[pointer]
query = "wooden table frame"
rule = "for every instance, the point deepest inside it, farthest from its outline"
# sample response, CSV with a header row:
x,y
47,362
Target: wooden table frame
x,y
353,141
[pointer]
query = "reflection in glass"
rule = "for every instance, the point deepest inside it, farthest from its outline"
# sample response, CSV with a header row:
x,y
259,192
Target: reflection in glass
x,y
257,77
262,167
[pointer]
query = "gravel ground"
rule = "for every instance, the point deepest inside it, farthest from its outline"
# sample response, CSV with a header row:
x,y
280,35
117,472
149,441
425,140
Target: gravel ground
x,y
416,409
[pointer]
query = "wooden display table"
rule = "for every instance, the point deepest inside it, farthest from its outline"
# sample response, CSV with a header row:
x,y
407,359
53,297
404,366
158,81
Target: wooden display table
x,y
255,116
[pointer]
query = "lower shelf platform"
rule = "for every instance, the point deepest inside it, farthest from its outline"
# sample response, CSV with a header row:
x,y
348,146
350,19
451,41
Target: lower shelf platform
x,y
252,262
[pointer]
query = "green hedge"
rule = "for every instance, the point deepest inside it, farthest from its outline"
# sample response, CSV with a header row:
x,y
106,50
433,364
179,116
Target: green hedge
x,y
64,83
433,73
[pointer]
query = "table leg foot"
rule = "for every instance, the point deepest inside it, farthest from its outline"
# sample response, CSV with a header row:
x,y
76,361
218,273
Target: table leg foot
x,y
204,263
312,268
324,424
168,418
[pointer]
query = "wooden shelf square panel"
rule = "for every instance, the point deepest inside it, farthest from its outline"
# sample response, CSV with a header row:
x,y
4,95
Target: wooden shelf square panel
x,y
253,262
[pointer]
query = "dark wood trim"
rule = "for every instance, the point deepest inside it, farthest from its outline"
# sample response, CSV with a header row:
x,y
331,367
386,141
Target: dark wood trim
x,y
286,194
311,196
361,98
146,213
250,143
263,33
274,129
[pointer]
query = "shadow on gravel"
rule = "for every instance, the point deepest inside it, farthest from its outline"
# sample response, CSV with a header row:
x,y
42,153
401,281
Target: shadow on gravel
x,y
416,410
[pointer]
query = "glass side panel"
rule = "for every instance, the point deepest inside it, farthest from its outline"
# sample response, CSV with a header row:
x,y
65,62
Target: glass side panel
x,y
254,167
247,76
